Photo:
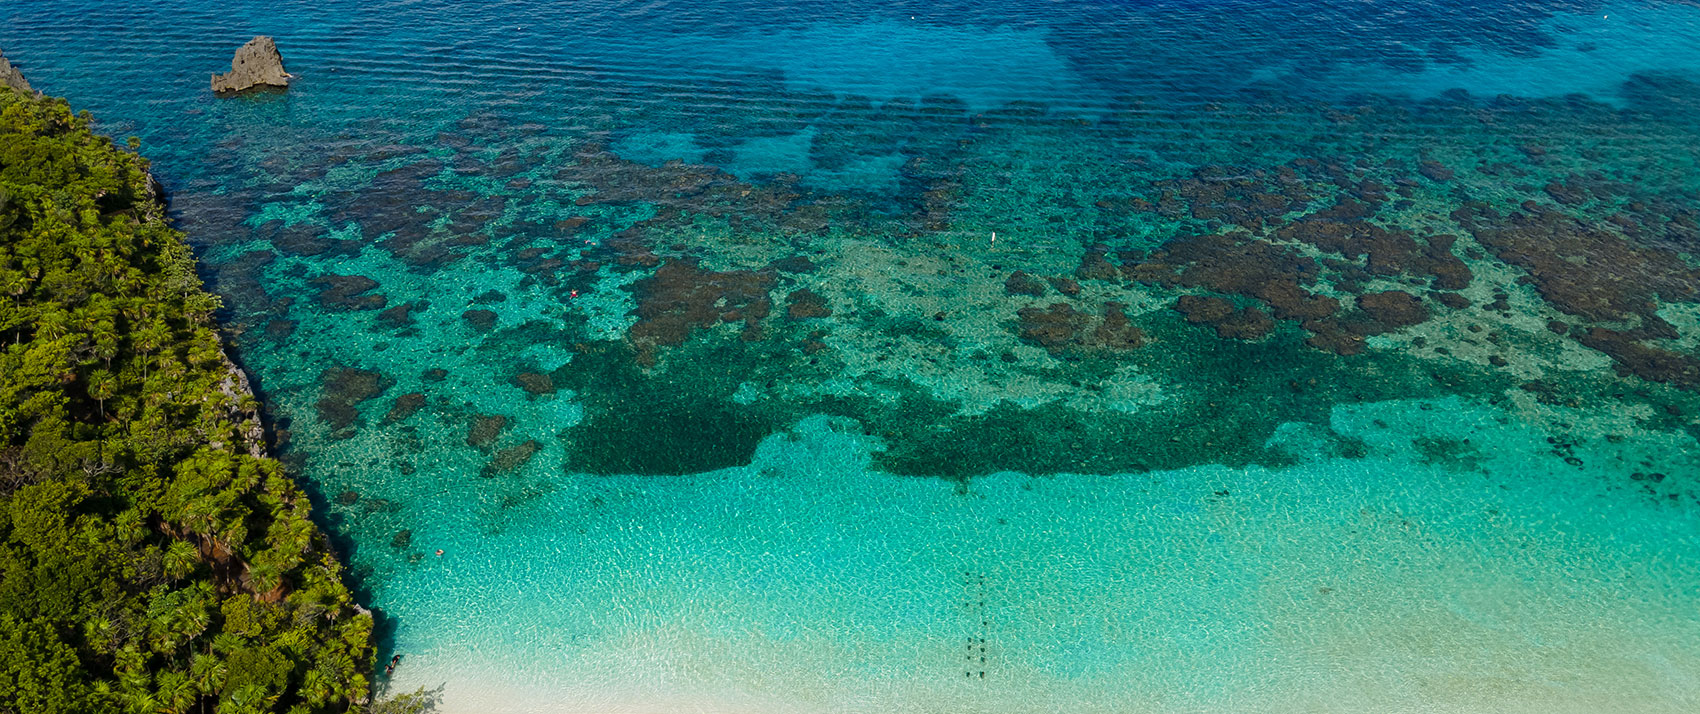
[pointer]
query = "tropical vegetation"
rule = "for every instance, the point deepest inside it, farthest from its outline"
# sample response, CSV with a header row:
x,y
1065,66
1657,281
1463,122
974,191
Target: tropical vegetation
x,y
152,557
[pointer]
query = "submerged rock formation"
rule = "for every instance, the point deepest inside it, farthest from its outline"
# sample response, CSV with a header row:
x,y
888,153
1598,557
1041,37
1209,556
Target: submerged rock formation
x,y
256,64
11,77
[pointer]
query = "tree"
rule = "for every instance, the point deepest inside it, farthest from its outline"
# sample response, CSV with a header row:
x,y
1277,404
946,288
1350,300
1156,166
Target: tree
x,y
108,515
180,559
102,386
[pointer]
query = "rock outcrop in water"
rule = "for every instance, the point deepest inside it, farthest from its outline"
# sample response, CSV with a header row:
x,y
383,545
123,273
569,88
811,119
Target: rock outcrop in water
x,y
256,64
11,77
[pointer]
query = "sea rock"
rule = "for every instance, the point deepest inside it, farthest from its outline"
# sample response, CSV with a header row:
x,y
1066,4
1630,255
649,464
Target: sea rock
x,y
256,64
11,77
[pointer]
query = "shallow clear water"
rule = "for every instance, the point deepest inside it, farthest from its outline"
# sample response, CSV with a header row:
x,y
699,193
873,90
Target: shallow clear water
x,y
1001,357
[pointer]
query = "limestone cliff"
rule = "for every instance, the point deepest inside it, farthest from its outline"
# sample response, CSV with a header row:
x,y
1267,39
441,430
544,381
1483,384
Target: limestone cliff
x,y
11,77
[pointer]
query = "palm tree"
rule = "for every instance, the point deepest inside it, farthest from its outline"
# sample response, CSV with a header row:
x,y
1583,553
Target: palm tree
x,y
100,632
135,687
105,336
102,386
194,615
149,340
140,701
316,687
208,672
176,692
249,698
53,324
180,559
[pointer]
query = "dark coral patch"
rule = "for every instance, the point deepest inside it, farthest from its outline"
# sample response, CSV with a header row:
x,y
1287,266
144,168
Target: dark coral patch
x,y
485,429
308,240
399,316
1236,265
1582,270
1067,286
343,390
677,187
535,384
510,459
795,264
1451,300
280,330
405,406
1344,229
1247,323
1096,265
805,304
347,292
1233,195
1645,361
1331,336
1596,275
480,320
1052,328
1394,309
682,297
1434,171
1114,331
567,227
1060,329
1023,283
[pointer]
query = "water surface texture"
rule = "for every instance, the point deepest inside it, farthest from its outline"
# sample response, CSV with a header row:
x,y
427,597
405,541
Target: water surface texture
x,y
1005,356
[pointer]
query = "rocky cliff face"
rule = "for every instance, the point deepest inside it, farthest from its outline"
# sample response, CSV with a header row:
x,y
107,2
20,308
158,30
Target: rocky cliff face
x,y
11,77
257,64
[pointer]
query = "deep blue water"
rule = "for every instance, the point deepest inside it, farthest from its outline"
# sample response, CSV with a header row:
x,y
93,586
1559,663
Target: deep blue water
x,y
963,356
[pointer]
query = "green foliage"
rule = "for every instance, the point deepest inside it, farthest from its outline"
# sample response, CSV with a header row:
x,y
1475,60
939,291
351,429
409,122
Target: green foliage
x,y
419,701
149,560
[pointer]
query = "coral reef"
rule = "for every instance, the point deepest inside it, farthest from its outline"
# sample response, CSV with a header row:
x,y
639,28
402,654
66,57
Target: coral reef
x,y
804,304
342,391
681,298
348,292
1063,330
510,459
485,429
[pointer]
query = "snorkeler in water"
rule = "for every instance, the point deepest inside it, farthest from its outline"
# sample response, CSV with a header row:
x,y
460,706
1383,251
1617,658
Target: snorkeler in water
x,y
390,669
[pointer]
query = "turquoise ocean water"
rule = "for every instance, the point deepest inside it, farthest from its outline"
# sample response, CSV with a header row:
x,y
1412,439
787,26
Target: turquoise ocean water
x,y
1009,356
